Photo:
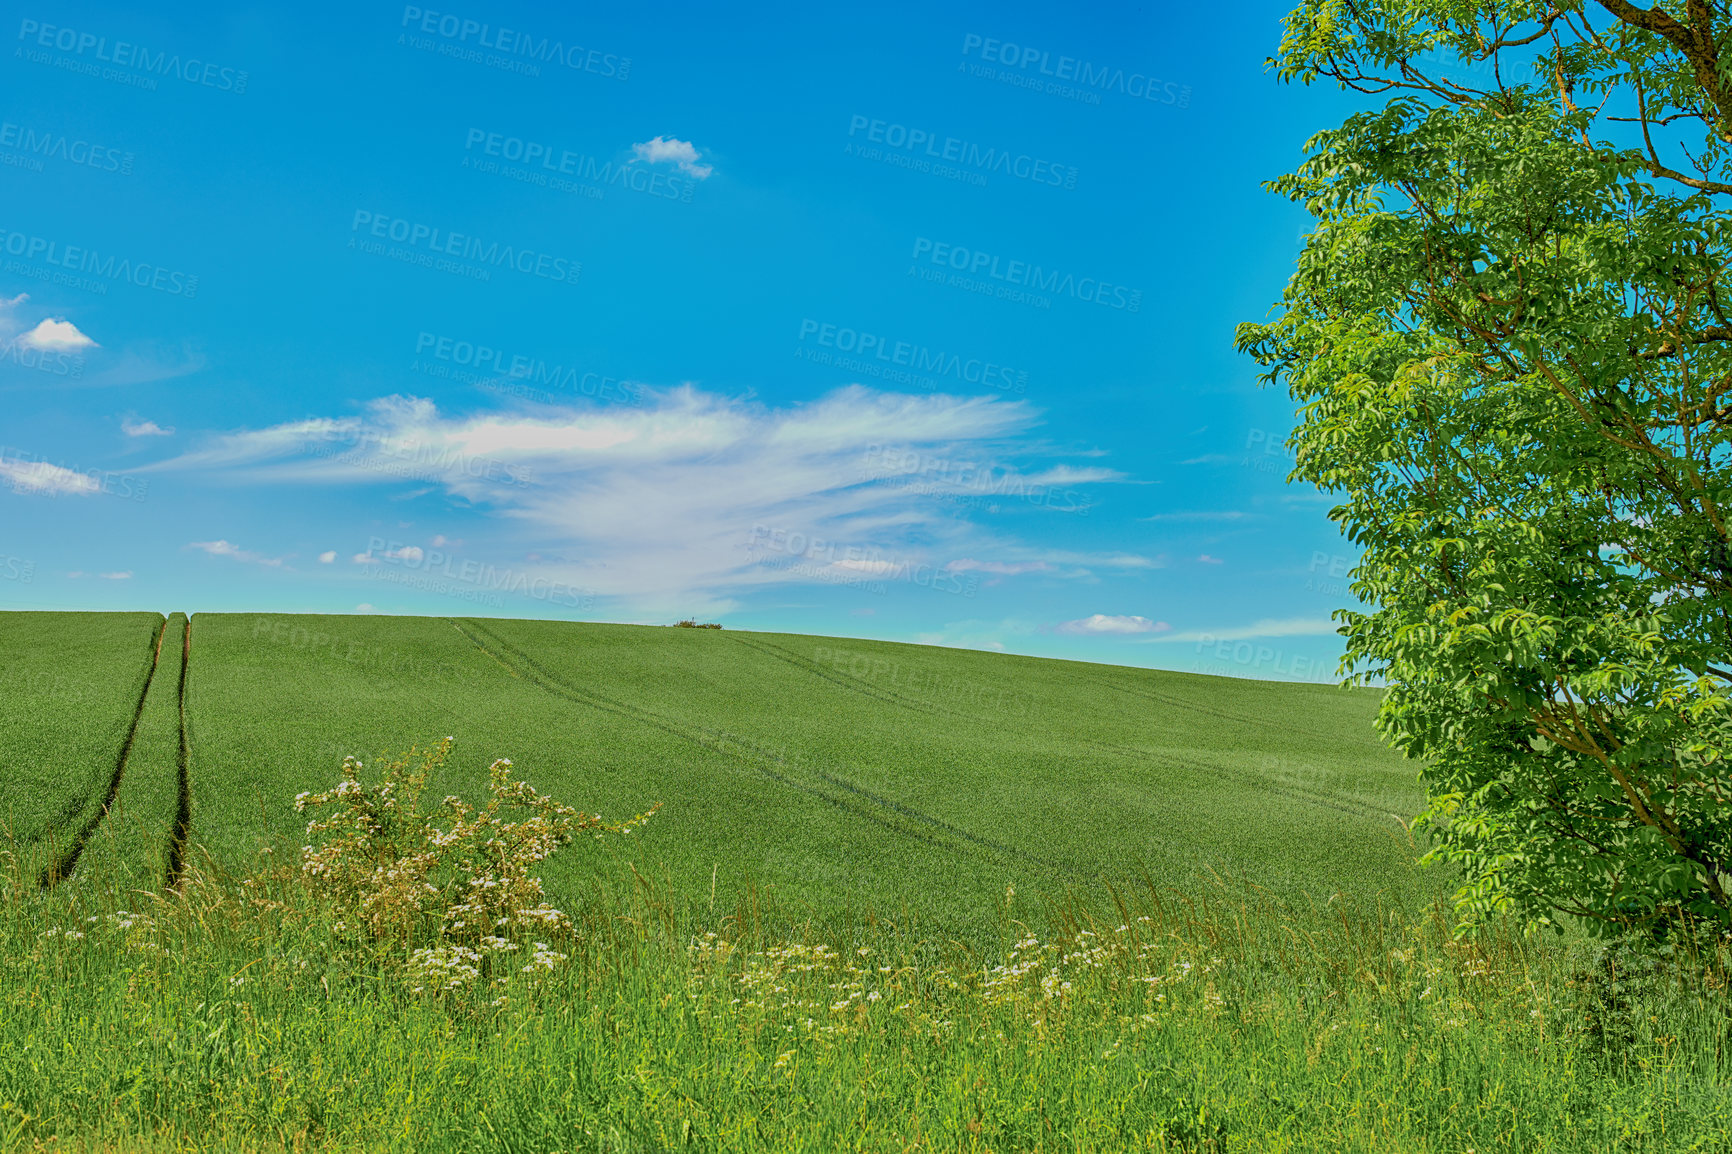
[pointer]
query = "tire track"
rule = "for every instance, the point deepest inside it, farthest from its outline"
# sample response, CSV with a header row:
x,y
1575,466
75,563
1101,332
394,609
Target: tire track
x,y
718,742
769,649
755,756
54,872
1180,703
1167,760
175,855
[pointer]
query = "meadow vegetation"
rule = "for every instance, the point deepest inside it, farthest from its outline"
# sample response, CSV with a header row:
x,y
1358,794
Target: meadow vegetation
x,y
1137,911
302,1005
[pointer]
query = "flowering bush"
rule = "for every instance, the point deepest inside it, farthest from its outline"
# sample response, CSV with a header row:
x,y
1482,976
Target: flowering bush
x,y
454,885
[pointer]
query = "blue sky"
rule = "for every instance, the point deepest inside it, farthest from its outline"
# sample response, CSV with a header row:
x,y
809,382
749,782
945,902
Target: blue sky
x,y
911,323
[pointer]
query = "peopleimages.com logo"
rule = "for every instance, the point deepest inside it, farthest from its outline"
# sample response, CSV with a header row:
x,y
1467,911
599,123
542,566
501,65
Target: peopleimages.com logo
x,y
480,364
55,362
983,158
435,240
855,563
1023,274
433,563
92,263
1064,70
916,358
512,44
34,145
123,54
555,161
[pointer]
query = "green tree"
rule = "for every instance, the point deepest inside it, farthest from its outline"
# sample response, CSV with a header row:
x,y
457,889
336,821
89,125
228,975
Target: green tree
x,y
1508,345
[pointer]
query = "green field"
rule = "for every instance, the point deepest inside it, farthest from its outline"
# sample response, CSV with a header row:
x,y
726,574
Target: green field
x,y
71,688
818,948
834,777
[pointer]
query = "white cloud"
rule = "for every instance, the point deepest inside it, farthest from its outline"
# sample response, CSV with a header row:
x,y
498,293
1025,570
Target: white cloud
x,y
875,568
1208,560
263,445
363,607
1267,627
1228,515
124,575
134,428
677,151
42,479
657,504
975,633
1069,475
327,557
147,362
56,334
1003,568
1057,563
225,549
1104,623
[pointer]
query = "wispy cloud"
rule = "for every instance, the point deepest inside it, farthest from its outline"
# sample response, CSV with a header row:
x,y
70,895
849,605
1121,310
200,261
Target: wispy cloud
x,y
226,549
671,150
1224,515
39,478
145,363
123,575
411,553
1266,627
1003,568
262,446
134,428
661,500
1070,475
1105,623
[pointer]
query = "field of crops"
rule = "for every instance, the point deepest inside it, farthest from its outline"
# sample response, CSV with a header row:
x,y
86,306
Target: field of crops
x,y
819,949
834,777
71,687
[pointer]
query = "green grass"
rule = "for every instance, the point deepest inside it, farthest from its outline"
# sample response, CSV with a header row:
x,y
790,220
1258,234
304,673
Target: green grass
x,y
70,685
130,848
820,798
843,778
1213,1021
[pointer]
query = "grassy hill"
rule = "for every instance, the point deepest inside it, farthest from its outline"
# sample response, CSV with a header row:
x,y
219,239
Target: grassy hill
x,y
835,777
809,780
70,691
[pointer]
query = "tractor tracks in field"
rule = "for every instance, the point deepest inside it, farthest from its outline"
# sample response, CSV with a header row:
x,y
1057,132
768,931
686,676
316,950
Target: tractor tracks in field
x,y
174,858
1254,781
174,853
805,665
63,865
776,764
1191,707
1242,777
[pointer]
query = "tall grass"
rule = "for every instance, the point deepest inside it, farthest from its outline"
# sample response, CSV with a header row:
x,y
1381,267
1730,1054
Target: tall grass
x,y
1215,1019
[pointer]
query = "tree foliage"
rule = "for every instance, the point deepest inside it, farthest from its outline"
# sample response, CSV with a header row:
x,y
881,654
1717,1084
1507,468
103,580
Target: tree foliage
x,y
1508,343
